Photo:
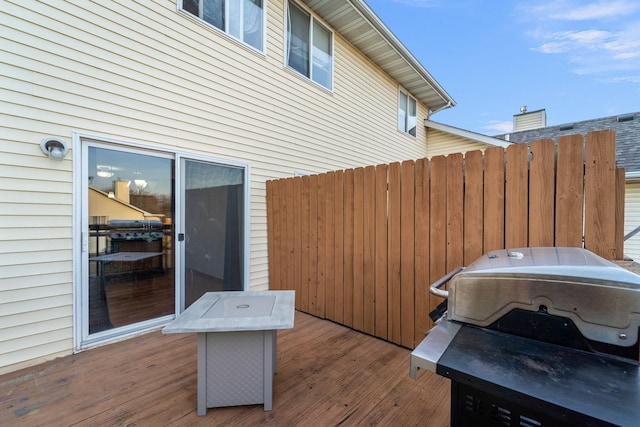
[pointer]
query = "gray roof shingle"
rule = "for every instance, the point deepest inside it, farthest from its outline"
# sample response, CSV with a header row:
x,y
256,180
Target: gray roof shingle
x,y
626,126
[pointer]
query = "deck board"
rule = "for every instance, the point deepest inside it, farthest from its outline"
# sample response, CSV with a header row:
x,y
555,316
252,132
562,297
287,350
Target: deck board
x,y
328,375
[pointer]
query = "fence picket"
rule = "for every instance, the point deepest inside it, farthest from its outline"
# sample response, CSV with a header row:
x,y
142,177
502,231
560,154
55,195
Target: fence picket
x,y
358,249
455,212
569,191
338,265
297,241
600,193
393,254
494,194
438,223
541,193
347,296
407,253
517,196
381,297
473,209
421,259
306,245
369,268
288,236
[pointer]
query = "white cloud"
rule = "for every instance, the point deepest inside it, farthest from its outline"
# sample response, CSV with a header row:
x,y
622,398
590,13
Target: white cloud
x,y
596,10
605,49
626,55
566,10
496,127
597,38
623,79
417,3
566,41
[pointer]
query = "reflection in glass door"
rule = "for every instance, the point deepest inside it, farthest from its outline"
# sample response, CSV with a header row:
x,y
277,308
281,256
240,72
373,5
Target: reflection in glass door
x,y
213,212
131,276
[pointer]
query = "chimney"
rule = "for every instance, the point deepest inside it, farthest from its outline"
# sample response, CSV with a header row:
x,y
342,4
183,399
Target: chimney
x,y
529,120
121,189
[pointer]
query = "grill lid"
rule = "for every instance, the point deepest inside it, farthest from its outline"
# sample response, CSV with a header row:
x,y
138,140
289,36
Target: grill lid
x,y
601,298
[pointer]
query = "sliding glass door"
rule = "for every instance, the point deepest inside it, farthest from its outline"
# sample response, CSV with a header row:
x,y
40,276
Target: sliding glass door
x,y
158,230
131,277
213,211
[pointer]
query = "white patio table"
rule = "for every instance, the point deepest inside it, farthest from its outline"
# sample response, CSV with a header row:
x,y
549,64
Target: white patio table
x,y
237,344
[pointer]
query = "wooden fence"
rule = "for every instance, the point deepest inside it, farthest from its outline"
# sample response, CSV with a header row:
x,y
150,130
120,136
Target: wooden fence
x,y
361,246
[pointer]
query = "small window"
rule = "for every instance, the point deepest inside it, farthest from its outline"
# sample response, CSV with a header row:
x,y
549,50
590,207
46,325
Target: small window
x,y
406,113
309,46
242,19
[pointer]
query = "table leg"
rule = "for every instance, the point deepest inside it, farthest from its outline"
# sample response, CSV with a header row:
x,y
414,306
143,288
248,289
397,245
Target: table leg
x,y
202,374
275,351
269,346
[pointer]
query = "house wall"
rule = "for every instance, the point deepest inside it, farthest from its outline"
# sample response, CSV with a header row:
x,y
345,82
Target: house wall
x,y
441,143
141,72
632,219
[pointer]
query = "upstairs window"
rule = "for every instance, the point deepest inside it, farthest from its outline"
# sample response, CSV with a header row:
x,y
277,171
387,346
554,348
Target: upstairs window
x,y
309,46
406,113
242,19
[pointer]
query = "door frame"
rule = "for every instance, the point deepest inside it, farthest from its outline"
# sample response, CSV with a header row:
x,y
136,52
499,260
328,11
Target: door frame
x,y
81,338
180,221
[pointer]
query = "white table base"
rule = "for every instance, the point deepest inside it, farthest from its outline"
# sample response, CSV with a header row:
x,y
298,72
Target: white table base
x,y
236,368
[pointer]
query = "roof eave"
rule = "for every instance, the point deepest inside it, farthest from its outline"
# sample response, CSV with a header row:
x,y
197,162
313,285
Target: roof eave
x,y
359,24
478,137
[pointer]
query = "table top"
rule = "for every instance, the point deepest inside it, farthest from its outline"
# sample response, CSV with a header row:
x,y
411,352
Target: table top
x,y
565,380
236,311
125,256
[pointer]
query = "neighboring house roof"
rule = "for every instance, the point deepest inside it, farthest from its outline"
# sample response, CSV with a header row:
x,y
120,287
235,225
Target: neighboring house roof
x,y
478,137
142,212
355,20
626,126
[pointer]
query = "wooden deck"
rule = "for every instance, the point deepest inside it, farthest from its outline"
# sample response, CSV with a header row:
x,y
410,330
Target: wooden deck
x,y
328,375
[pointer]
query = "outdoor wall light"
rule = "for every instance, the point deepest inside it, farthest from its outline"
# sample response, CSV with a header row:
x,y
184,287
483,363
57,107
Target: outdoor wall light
x,y
54,148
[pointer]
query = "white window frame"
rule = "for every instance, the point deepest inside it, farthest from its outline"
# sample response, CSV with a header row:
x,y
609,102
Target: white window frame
x,y
313,19
403,125
225,32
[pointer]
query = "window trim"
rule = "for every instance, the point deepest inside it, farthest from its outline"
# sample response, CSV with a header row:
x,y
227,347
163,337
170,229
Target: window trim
x,y
313,19
405,127
225,33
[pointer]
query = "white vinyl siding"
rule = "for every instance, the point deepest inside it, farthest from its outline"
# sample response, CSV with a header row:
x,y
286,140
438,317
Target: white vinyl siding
x,y
441,143
530,120
632,220
132,77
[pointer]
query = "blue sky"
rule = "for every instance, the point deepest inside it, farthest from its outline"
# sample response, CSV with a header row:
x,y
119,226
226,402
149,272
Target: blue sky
x,y
577,59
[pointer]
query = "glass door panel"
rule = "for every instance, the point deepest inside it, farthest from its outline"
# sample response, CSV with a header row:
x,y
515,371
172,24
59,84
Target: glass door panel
x,y
131,276
213,212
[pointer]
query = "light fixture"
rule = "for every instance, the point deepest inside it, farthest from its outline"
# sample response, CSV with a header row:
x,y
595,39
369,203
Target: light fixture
x,y
104,172
54,148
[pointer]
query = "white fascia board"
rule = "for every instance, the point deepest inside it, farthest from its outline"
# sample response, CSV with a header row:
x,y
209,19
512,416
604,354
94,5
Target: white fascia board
x,y
467,134
361,27
409,58
632,176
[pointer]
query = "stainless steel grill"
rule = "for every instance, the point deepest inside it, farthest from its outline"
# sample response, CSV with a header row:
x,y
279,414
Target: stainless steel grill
x,y
548,334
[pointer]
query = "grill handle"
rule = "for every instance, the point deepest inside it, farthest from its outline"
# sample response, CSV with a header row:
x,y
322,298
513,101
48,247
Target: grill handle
x,y
441,281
